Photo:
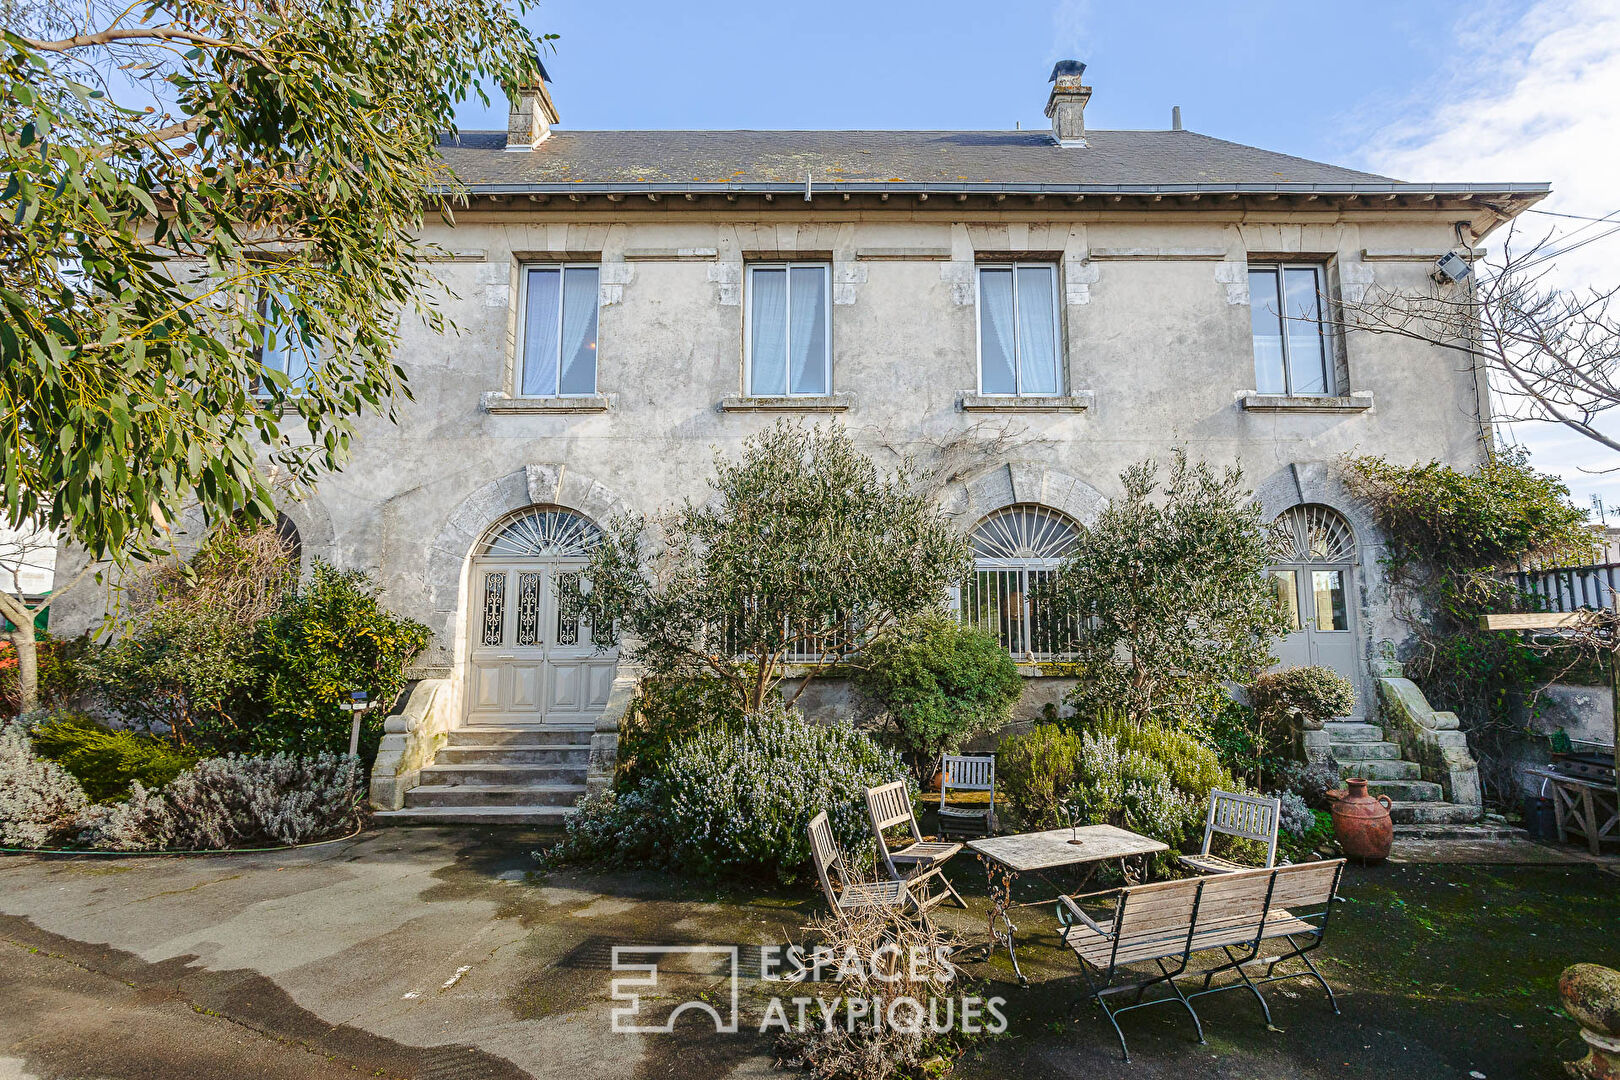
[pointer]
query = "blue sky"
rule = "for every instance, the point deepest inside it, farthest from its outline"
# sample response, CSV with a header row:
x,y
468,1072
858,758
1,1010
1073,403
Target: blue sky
x,y
1494,90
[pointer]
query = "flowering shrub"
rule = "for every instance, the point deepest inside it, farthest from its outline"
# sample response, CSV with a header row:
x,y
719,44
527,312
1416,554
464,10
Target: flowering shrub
x,y
219,803
737,800
1293,816
40,803
1147,778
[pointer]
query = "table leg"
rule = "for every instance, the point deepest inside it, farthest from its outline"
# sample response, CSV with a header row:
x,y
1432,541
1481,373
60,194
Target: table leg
x,y
1000,888
1589,812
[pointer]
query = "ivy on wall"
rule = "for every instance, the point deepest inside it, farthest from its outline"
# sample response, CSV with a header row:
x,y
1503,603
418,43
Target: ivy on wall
x,y
1450,539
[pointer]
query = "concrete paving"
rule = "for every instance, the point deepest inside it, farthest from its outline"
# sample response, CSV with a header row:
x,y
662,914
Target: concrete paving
x,y
436,953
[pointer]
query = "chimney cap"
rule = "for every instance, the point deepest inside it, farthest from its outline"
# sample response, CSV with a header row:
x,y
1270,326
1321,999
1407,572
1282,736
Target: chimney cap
x,y
1067,67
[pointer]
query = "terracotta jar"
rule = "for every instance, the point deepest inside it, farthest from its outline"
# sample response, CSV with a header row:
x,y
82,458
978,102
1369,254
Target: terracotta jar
x,y
1362,824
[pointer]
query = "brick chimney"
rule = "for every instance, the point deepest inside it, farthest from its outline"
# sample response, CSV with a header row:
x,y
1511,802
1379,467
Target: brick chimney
x,y
1067,105
529,123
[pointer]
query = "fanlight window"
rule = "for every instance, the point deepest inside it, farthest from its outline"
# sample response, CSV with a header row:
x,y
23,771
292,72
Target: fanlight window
x,y
545,534
1024,533
1017,552
1307,534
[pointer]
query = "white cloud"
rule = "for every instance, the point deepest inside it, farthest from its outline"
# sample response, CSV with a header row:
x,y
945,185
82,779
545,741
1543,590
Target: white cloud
x,y
1534,95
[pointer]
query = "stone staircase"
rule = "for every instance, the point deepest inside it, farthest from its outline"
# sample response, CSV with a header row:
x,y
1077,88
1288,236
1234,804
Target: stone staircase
x,y
500,776
1362,750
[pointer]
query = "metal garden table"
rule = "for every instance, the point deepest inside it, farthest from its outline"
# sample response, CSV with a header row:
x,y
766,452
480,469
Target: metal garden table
x,y
1038,853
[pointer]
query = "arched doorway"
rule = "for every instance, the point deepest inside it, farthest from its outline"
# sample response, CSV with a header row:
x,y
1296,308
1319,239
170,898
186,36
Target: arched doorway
x,y
1015,551
533,658
1313,573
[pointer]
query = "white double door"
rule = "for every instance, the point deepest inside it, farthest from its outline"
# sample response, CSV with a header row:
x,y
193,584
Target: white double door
x,y
533,659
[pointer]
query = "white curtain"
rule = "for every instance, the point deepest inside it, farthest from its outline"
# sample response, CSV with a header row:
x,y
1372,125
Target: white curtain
x,y
767,352
1037,331
807,336
540,334
996,372
579,330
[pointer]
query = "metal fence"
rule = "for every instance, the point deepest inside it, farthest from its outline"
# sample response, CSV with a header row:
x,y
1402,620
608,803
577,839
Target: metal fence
x,y
1011,605
1571,588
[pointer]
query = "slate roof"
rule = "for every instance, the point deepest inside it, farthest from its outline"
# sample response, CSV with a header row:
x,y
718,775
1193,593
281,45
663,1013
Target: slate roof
x,y
897,160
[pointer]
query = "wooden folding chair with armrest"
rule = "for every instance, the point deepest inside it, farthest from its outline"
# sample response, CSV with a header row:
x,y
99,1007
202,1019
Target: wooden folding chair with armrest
x,y
967,772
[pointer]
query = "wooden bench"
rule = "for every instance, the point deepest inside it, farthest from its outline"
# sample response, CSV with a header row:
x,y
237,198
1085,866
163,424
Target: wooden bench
x,y
1164,924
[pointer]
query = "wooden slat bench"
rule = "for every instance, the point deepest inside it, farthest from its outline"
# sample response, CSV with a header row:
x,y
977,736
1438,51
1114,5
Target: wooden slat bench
x,y
1164,924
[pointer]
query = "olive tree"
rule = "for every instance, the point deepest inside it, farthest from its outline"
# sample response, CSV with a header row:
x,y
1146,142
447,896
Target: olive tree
x,y
1169,584
186,187
804,554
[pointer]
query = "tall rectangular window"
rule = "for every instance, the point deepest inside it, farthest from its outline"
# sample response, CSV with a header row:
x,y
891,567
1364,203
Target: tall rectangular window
x,y
1018,330
1291,353
558,340
789,333
284,347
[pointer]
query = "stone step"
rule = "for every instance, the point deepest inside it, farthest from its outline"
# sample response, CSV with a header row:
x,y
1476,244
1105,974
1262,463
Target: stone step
x,y
539,816
1405,790
471,795
1383,770
1366,751
1432,813
520,736
484,773
479,754
1486,833
1345,731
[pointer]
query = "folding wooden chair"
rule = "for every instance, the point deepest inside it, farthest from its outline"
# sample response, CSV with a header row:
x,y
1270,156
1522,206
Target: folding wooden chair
x,y
1251,817
967,773
845,895
922,859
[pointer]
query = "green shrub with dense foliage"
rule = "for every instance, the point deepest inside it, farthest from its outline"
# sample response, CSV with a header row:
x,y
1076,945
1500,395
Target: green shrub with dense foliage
x,y
321,642
1450,536
1258,740
1150,778
227,654
939,684
736,800
1170,582
104,761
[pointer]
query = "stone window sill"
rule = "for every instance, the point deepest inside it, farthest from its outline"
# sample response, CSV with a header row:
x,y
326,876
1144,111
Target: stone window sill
x,y
750,403
1079,401
498,402
1351,403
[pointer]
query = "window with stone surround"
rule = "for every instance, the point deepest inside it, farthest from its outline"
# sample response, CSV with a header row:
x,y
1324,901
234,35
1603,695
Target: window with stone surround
x,y
1018,330
557,330
788,337
1293,356
283,349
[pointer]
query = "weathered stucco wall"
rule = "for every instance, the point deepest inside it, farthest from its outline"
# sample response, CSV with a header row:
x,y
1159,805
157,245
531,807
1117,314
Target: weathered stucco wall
x,y
1156,327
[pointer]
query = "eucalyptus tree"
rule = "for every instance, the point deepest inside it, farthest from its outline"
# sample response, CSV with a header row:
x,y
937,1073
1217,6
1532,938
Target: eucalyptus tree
x,y
1170,585
803,556
208,238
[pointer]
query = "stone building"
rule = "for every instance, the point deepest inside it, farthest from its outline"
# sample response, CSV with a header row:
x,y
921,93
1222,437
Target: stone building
x,y
1050,306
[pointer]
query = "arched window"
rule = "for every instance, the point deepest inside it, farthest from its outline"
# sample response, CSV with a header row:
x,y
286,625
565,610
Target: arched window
x,y
549,532
291,542
1313,552
1017,550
